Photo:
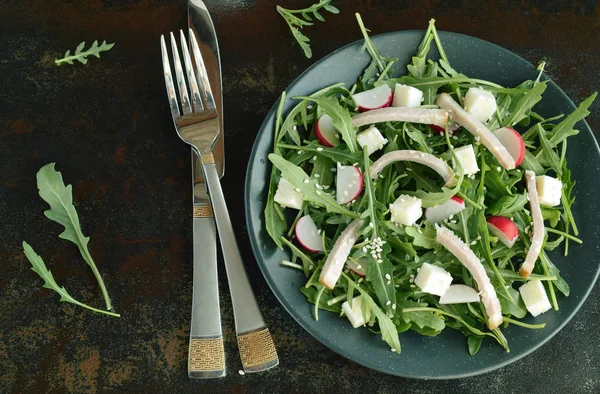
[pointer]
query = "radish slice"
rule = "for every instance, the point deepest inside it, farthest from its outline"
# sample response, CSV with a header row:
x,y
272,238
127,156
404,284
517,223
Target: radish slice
x,y
358,268
476,128
444,211
326,132
505,229
466,256
437,117
339,254
513,142
308,235
379,97
348,182
538,226
436,164
452,128
459,294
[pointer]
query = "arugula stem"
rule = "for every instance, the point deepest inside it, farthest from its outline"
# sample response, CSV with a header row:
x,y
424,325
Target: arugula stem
x,y
518,323
564,234
317,300
438,42
368,44
292,265
91,308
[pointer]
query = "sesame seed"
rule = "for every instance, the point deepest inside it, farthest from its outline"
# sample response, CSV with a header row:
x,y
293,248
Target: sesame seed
x,y
388,302
317,176
393,349
371,225
309,106
498,168
241,372
300,152
295,128
319,149
364,249
297,189
306,180
473,242
379,261
333,169
358,267
359,280
312,267
454,137
413,286
318,192
389,282
387,276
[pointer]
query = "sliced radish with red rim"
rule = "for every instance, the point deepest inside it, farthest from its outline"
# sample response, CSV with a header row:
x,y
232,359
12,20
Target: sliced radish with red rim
x,y
379,97
326,132
505,229
308,235
359,268
348,182
513,142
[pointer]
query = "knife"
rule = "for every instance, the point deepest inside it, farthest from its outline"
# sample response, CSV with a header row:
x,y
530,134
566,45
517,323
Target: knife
x,y
206,356
255,344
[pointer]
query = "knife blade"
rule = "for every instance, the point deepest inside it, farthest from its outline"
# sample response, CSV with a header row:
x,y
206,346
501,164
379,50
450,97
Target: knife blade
x,y
206,356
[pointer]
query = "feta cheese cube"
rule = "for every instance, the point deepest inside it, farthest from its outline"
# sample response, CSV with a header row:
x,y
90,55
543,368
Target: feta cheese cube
x,y
433,279
549,190
406,210
467,159
371,139
354,313
535,297
407,96
480,103
287,195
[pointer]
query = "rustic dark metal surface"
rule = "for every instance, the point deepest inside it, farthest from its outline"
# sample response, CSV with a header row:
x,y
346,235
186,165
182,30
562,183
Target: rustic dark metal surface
x,y
108,128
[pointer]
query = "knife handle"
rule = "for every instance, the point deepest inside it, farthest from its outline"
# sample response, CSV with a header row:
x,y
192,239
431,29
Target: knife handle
x,y
206,356
257,350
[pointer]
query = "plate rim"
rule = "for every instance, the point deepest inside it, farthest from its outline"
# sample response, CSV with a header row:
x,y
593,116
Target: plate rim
x,y
339,350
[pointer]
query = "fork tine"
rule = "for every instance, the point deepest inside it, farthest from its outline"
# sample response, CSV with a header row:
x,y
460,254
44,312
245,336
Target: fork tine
x,y
202,74
168,78
183,92
187,61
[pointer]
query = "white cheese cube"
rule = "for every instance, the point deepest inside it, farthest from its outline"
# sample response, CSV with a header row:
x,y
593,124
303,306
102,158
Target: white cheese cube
x,y
406,210
371,139
355,314
433,279
480,103
535,297
549,190
467,159
407,96
287,195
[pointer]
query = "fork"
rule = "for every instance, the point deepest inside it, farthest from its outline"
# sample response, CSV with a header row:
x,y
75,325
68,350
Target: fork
x,y
197,124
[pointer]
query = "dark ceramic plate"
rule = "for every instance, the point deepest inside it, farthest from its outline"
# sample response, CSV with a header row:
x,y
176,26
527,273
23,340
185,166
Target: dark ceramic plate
x,y
445,356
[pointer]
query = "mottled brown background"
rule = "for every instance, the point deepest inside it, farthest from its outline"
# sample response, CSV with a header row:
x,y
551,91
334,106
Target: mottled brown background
x,y
108,128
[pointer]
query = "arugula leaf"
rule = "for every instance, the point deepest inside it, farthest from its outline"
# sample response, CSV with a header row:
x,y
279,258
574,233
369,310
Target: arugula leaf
x,y
507,205
474,343
531,163
418,67
60,198
341,119
275,223
389,333
525,104
296,23
296,176
38,266
547,154
380,66
565,128
337,154
312,294
424,238
552,215
81,56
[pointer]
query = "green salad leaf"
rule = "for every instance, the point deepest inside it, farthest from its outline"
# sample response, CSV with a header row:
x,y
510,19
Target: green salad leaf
x,y
52,189
81,56
39,267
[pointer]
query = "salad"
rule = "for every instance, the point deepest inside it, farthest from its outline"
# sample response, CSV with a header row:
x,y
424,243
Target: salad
x,y
425,201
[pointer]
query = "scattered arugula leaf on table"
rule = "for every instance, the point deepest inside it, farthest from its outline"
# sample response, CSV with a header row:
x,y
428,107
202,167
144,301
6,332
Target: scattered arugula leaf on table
x,y
81,56
60,198
298,19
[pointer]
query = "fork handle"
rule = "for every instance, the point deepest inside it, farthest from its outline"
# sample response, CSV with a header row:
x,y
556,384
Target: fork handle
x,y
254,341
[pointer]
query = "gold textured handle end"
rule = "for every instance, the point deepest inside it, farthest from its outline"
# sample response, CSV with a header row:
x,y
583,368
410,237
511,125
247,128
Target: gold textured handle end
x,y
206,358
257,350
203,211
